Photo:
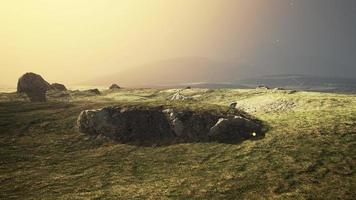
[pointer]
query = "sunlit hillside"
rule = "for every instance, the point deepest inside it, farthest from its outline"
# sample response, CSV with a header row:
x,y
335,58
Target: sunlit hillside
x,y
308,152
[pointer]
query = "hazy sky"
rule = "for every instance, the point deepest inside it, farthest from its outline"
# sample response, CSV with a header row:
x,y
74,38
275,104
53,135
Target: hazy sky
x,y
72,40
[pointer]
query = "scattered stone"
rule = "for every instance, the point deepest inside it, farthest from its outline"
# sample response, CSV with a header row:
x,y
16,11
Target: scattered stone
x,y
180,97
114,87
284,90
232,105
93,91
58,86
34,86
167,111
278,89
263,87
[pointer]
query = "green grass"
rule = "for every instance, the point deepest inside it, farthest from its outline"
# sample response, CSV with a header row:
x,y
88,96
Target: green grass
x,y
308,152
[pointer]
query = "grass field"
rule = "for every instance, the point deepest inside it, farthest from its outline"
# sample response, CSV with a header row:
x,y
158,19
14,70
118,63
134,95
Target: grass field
x,y
309,151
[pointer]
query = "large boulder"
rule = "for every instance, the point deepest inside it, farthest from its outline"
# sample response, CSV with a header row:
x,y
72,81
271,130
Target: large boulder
x,y
147,125
58,86
34,86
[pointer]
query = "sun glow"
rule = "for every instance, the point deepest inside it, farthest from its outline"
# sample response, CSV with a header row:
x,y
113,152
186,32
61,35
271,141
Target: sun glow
x,y
70,40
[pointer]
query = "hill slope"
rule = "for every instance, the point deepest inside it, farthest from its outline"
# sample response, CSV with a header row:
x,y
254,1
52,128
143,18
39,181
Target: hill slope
x,y
308,152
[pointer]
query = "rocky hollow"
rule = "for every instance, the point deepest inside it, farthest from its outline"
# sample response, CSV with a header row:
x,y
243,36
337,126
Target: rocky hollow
x,y
161,125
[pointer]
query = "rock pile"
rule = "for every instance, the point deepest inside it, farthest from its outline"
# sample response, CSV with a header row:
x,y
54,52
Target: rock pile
x,y
147,125
35,87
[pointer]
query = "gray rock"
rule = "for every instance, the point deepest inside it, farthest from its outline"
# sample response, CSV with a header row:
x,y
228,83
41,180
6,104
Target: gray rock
x,y
263,87
34,86
147,125
58,86
114,87
167,111
126,124
180,97
235,128
178,127
233,105
93,91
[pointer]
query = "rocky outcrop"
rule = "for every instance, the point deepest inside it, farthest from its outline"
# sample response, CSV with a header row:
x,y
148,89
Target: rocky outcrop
x,y
58,87
34,86
114,87
178,96
93,91
242,128
147,125
126,124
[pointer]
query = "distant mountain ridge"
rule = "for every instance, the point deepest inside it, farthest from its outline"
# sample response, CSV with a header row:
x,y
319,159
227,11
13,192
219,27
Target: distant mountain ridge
x,y
206,73
172,72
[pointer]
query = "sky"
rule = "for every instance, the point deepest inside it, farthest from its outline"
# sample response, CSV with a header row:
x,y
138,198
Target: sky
x,y
70,41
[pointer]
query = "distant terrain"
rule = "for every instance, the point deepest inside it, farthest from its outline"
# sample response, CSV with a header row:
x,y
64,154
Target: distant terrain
x,y
171,72
203,72
287,81
308,152
303,82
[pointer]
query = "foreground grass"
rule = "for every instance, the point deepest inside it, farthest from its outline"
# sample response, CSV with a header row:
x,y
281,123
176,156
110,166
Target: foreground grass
x,y
308,153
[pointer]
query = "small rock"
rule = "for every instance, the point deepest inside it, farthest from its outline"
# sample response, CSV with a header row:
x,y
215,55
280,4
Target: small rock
x,y
179,97
114,87
233,105
263,87
58,86
94,91
172,115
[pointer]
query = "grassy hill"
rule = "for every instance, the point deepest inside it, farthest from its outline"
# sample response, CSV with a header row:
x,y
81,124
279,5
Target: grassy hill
x,y
308,153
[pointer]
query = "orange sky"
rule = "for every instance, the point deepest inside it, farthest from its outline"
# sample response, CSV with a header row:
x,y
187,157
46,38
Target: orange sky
x,y
68,41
